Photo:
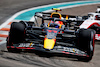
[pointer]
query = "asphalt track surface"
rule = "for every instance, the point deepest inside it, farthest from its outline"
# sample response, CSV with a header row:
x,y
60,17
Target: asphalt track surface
x,y
39,59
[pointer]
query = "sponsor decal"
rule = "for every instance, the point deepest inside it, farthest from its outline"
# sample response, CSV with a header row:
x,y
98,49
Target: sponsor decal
x,y
97,36
73,50
26,45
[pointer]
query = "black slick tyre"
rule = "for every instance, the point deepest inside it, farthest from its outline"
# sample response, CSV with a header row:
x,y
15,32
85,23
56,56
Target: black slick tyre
x,y
86,39
16,35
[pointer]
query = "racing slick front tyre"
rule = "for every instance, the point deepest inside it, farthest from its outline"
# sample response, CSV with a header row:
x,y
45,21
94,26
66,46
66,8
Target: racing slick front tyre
x,y
16,35
86,39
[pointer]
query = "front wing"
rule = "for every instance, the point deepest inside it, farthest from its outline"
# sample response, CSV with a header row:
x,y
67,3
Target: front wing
x,y
56,49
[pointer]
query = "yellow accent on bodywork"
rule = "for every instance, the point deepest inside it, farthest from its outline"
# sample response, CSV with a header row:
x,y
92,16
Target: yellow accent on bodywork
x,y
56,13
73,50
49,43
30,44
56,9
60,26
66,17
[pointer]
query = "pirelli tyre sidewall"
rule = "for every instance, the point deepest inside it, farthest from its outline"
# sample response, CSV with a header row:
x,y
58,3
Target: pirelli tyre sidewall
x,y
16,35
86,39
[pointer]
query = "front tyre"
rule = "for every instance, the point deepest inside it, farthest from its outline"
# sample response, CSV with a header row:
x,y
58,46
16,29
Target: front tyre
x,y
86,39
16,35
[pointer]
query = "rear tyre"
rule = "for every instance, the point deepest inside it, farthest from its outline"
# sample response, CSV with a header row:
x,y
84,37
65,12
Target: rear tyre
x,y
86,39
16,35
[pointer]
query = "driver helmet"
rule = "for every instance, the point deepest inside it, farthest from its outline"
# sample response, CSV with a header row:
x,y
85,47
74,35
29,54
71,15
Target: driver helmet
x,y
97,17
56,24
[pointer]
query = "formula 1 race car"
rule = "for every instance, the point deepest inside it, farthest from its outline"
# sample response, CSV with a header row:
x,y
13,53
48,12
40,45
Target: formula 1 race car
x,y
52,33
93,22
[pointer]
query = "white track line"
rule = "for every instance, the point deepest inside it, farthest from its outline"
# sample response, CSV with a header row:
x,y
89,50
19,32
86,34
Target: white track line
x,y
4,32
7,26
2,38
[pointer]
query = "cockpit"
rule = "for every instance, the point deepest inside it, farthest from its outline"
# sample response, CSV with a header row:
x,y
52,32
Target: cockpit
x,y
94,16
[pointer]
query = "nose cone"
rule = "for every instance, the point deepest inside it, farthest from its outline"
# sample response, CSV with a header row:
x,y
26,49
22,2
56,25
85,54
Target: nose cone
x,y
49,43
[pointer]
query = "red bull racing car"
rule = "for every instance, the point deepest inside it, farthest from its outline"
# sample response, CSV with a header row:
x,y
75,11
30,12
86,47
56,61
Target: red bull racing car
x,y
54,33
